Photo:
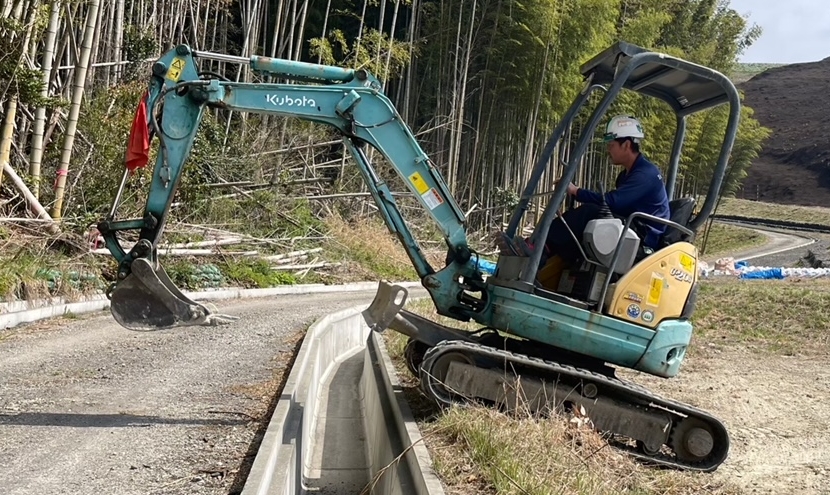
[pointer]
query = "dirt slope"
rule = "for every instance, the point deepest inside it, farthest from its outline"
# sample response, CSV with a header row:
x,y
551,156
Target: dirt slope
x,y
775,414
794,164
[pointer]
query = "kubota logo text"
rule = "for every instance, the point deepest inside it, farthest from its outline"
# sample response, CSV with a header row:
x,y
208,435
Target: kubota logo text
x,y
287,101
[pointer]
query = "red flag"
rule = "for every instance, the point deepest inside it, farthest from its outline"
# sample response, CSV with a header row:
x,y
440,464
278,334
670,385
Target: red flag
x,y
138,147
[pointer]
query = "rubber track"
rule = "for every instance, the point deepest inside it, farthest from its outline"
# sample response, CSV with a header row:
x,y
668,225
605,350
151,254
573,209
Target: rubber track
x,y
642,396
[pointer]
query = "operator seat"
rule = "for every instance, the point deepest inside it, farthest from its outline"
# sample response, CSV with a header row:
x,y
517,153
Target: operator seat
x,y
680,212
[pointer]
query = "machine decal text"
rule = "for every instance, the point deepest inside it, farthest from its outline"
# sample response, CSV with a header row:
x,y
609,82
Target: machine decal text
x,y
432,199
687,262
681,275
419,183
287,101
633,296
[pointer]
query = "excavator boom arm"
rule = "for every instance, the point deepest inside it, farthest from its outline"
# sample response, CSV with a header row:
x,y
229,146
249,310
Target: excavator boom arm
x,y
350,101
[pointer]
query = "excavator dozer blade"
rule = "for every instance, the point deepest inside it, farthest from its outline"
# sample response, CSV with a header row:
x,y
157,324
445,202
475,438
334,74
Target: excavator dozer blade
x,y
148,300
385,307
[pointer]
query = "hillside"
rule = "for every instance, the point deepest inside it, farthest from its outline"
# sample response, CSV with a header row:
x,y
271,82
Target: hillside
x,y
746,71
794,164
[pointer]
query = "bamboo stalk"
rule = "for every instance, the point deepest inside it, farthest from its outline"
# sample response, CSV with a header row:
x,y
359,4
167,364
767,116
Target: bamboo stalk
x,y
7,134
37,143
119,37
77,95
301,31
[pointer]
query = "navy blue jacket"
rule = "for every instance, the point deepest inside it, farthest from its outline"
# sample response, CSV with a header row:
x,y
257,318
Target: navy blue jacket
x,y
642,190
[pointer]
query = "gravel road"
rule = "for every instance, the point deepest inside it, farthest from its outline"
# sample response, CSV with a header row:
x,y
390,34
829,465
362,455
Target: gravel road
x,y
87,407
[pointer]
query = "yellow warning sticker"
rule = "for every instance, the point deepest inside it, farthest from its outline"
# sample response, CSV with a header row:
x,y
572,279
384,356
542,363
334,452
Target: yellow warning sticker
x,y
174,73
419,183
687,262
655,290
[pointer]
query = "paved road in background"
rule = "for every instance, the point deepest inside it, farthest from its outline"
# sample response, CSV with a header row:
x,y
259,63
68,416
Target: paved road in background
x,y
783,248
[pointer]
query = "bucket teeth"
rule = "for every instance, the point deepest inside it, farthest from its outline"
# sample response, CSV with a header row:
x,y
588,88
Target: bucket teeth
x,y
148,300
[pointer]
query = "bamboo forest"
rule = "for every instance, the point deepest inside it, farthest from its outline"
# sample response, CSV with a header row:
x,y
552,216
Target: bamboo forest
x,y
482,83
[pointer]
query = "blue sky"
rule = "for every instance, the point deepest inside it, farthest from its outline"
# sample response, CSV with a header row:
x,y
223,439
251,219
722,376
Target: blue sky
x,y
794,30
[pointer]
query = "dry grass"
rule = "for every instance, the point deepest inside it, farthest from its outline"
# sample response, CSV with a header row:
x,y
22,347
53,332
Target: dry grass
x,y
772,211
528,455
33,266
483,451
368,251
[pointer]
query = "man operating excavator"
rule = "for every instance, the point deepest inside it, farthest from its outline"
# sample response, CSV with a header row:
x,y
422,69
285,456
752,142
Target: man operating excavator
x,y
639,188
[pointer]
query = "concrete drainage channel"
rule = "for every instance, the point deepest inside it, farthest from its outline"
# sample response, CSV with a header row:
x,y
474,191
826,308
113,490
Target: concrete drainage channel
x,y
341,425
342,422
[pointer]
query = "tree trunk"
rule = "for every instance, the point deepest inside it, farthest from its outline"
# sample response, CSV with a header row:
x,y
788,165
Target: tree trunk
x,y
77,95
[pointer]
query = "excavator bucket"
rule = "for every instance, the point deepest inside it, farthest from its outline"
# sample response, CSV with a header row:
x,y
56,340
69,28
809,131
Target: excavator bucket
x,y
148,300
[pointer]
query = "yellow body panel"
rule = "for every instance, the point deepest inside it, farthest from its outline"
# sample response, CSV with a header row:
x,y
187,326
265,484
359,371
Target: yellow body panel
x,y
657,287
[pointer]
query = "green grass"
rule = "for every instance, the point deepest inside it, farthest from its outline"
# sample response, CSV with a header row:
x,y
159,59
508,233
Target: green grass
x,y
255,273
724,238
744,72
772,211
786,317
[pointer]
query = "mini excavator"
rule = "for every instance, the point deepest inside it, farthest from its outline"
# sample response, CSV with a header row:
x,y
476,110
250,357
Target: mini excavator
x,y
557,340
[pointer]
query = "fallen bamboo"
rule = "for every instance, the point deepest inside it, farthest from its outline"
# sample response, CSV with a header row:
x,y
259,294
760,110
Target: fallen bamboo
x,y
31,200
305,267
186,252
199,244
291,254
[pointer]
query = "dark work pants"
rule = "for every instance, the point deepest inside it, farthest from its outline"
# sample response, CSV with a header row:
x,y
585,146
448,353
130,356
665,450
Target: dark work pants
x,y
560,241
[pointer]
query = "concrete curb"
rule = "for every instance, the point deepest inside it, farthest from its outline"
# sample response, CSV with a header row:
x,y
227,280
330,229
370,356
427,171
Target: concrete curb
x,y
19,312
281,463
